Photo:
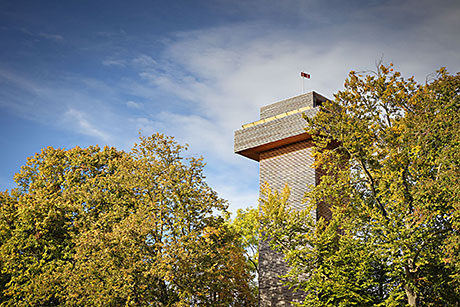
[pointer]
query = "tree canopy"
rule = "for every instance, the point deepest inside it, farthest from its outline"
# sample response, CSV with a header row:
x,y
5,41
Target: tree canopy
x,y
102,227
390,149
247,226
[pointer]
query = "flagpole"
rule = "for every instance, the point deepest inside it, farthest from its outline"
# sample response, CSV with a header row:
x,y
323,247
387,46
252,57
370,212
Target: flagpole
x,y
304,75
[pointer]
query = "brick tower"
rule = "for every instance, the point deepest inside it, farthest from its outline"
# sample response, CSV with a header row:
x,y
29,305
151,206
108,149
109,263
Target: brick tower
x,y
280,144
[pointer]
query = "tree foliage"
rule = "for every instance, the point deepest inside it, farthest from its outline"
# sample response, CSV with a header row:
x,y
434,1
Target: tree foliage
x,y
247,226
390,149
102,227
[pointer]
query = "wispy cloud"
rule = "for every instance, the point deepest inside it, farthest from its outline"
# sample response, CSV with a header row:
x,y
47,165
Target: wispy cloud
x,y
51,36
144,61
18,81
227,73
134,105
74,105
80,120
114,62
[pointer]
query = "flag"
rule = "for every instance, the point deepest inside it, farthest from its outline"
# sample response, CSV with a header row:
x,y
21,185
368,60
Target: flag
x,y
304,75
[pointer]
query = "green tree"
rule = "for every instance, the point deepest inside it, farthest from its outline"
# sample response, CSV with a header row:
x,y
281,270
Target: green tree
x,y
391,150
246,225
102,227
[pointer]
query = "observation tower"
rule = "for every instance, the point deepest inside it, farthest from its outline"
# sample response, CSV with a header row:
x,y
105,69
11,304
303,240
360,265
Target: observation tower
x,y
279,142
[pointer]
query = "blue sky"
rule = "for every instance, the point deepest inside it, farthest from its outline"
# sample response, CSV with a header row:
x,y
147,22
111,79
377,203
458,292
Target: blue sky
x,y
96,72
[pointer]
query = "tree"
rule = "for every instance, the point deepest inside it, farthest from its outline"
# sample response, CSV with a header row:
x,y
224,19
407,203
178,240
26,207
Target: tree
x,y
390,149
102,227
246,225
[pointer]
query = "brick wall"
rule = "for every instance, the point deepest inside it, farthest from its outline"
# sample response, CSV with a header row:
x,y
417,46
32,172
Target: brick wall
x,y
290,165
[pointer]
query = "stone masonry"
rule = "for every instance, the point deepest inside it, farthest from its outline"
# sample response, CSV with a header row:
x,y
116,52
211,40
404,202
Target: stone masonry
x,y
280,144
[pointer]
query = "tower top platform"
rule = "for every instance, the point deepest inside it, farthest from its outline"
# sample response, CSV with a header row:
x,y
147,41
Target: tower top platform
x,y
280,124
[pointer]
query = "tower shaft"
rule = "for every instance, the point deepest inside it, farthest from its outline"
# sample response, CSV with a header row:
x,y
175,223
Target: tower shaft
x,y
279,142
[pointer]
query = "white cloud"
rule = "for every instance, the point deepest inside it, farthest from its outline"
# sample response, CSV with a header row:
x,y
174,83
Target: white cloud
x,y
134,105
230,71
76,107
205,135
227,73
114,62
51,36
19,81
144,61
82,123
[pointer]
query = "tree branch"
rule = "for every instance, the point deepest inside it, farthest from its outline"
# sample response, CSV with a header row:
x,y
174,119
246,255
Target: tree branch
x,y
372,184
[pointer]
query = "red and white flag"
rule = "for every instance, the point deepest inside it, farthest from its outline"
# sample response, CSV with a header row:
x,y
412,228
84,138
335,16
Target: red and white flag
x,y
304,75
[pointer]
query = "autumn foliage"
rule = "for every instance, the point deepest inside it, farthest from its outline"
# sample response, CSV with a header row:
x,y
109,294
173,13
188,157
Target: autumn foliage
x,y
102,227
393,182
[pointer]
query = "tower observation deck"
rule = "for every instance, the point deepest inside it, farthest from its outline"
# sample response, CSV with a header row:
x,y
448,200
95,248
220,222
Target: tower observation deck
x,y
279,142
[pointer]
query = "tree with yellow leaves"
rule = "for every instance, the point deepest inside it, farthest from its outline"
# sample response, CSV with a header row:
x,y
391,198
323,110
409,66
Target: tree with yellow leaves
x,y
393,183
102,227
